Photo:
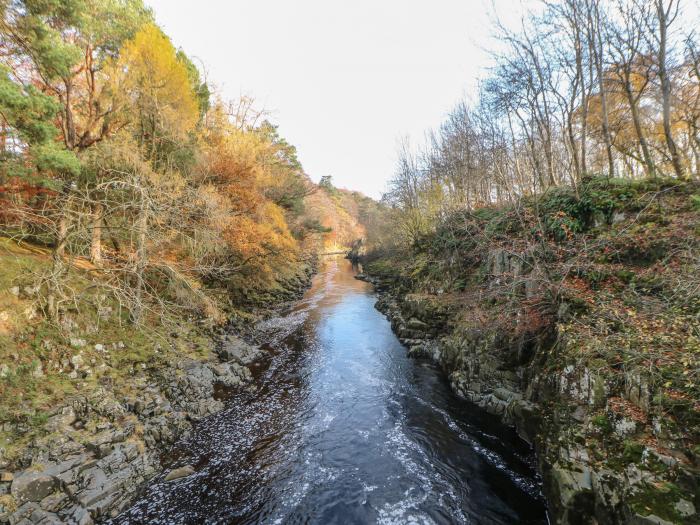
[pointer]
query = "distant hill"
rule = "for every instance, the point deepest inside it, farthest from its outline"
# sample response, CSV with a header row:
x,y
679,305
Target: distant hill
x,y
340,215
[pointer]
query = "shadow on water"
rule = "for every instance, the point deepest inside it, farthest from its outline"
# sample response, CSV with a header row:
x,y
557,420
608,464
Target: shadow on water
x,y
343,428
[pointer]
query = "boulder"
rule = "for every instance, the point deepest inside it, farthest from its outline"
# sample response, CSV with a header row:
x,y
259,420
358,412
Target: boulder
x,y
81,516
235,349
417,324
61,419
572,492
684,507
33,486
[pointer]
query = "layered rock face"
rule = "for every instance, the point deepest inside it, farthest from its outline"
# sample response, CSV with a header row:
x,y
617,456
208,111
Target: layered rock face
x,y
104,447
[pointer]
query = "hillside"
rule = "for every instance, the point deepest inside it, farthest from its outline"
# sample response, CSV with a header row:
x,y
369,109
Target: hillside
x,y
146,223
342,215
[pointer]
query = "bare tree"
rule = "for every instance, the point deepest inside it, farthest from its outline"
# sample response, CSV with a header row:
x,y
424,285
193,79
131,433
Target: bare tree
x,y
630,63
595,19
666,14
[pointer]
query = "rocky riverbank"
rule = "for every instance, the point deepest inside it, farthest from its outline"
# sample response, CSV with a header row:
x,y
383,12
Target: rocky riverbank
x,y
585,344
102,448
94,450
578,488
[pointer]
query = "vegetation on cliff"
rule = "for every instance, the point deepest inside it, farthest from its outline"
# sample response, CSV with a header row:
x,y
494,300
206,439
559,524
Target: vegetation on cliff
x,y
587,306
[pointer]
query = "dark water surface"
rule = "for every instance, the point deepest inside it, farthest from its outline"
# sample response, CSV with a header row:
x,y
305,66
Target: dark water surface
x,y
344,428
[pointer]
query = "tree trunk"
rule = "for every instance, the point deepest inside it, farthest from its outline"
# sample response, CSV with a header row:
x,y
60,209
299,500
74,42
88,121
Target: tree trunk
x,y
3,137
60,248
606,124
70,138
648,162
597,48
141,228
666,89
57,265
585,94
96,240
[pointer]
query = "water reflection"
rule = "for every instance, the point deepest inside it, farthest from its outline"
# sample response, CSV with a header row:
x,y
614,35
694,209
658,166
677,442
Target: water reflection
x,y
345,429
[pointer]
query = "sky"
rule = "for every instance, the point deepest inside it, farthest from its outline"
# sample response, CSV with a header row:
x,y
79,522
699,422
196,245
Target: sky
x,y
344,80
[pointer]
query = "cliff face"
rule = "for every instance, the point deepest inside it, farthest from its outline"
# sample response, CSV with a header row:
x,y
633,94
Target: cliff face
x,y
576,318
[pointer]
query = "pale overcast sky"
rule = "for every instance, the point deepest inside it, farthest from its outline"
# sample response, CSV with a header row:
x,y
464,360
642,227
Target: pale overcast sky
x,y
344,80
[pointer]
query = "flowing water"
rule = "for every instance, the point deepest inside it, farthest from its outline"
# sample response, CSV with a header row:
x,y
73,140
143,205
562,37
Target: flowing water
x,y
344,428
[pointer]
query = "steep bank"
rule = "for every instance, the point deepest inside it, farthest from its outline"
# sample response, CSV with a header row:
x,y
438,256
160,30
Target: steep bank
x,y
576,318
90,405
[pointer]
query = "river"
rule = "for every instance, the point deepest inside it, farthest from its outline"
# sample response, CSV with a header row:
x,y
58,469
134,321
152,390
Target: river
x,y
342,427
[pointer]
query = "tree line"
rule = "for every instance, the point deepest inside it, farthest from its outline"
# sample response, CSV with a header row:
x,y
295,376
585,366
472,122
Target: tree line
x,y
583,88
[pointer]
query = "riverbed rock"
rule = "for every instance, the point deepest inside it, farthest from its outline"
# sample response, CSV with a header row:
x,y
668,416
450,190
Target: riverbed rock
x,y
651,519
62,418
104,442
181,472
233,348
684,507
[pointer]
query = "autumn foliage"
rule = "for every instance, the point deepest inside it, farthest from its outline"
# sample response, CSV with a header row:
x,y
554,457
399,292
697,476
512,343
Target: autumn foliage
x,y
114,149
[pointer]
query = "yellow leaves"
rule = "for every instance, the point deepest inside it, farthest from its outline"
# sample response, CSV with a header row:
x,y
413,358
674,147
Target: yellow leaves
x,y
154,83
233,155
262,239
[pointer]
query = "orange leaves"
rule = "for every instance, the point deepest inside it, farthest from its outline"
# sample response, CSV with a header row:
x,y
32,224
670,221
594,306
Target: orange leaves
x,y
252,229
338,211
261,241
580,288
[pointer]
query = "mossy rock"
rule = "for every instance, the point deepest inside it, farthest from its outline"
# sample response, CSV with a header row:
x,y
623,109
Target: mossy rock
x,y
666,501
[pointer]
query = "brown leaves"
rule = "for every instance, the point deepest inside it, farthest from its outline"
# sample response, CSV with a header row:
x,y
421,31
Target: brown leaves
x,y
621,407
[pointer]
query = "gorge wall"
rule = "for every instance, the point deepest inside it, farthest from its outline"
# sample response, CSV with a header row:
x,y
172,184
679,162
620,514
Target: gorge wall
x,y
574,318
